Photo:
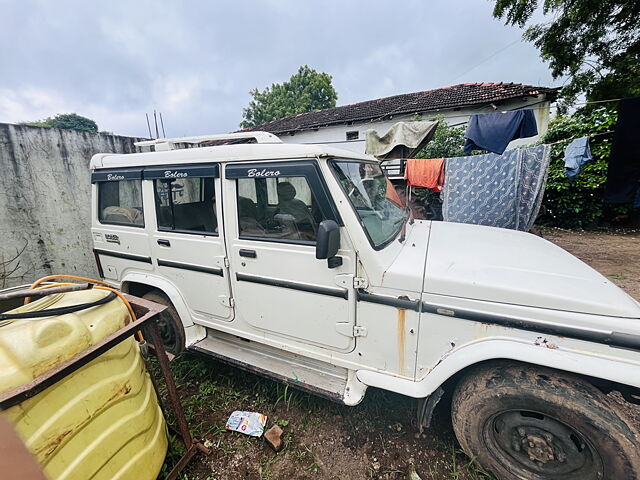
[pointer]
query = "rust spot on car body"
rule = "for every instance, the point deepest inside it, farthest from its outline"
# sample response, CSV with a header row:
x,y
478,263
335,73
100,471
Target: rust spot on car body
x,y
543,342
401,333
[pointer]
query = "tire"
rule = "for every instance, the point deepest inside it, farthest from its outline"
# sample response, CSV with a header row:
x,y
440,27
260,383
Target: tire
x,y
522,422
169,323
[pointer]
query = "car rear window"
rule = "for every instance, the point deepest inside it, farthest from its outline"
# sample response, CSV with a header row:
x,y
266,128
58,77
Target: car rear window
x,y
120,203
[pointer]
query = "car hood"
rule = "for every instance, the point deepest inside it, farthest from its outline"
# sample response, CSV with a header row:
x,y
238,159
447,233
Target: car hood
x,y
507,266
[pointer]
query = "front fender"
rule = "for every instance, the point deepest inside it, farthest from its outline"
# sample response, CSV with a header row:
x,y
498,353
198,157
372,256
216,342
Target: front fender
x,y
193,332
585,362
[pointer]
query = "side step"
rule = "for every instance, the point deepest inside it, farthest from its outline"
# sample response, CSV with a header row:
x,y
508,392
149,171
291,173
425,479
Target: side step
x,y
329,381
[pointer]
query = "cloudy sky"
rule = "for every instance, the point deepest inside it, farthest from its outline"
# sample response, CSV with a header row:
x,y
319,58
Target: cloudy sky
x,y
197,60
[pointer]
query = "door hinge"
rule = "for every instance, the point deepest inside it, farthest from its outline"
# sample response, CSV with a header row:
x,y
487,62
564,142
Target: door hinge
x,y
346,280
227,301
348,330
222,262
360,282
359,331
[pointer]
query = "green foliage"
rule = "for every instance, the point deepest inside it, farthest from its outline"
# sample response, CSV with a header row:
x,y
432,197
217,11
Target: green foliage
x,y
68,121
447,142
306,91
577,203
595,43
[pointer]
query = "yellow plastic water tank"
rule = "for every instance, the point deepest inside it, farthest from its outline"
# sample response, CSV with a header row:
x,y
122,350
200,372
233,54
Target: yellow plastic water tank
x,y
101,422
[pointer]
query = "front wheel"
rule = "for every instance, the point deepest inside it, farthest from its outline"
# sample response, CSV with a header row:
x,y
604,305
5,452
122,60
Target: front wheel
x,y
528,423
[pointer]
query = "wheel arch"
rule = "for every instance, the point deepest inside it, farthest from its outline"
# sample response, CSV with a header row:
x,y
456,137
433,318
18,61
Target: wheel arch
x,y
605,373
139,284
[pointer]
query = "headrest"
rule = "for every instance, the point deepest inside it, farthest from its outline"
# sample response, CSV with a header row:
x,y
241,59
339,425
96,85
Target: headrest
x,y
246,207
286,191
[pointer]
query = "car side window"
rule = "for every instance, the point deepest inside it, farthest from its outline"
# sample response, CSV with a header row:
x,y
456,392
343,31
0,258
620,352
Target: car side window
x,y
120,203
186,205
282,208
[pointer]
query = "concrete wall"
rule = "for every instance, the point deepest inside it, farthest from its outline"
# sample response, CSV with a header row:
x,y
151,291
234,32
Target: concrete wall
x,y
45,200
336,135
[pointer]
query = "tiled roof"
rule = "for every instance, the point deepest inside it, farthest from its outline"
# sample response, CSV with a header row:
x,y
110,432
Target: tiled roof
x,y
465,94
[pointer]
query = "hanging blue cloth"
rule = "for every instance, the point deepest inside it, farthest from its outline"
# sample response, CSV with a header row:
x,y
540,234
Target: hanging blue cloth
x,y
576,155
494,131
496,190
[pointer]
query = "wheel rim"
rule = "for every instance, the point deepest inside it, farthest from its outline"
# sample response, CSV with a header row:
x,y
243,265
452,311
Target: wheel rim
x,y
168,333
536,445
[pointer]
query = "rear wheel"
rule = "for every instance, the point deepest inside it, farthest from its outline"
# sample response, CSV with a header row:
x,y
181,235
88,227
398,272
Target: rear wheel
x,y
169,323
528,423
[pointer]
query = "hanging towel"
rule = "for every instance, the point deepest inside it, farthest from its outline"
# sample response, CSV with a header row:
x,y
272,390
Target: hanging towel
x,y
496,190
425,172
576,155
494,131
401,140
624,164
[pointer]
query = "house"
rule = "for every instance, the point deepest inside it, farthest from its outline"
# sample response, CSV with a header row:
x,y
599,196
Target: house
x,y
345,126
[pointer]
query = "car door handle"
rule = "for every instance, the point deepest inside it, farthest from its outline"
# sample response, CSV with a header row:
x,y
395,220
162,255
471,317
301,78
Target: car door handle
x,y
164,243
248,253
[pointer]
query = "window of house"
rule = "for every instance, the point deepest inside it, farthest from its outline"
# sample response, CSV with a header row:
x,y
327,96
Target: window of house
x,y
120,203
186,205
281,208
353,135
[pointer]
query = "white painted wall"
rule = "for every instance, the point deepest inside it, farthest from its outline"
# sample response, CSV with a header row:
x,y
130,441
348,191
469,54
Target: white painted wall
x,y
336,135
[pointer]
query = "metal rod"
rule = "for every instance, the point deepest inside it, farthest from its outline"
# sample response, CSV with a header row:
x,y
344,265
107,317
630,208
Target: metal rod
x,y
172,393
148,125
31,292
184,460
155,119
164,135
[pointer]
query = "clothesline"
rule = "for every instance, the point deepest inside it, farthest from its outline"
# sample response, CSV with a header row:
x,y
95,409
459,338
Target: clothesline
x,y
525,107
563,140
573,138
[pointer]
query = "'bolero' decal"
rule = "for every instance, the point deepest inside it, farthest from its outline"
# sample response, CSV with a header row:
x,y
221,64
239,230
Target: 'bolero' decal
x,y
116,175
182,171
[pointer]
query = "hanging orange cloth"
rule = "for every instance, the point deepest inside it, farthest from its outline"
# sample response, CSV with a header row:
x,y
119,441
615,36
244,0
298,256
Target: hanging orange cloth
x,y
392,195
425,172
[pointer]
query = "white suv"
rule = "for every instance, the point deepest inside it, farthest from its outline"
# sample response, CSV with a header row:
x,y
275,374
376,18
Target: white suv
x,y
301,262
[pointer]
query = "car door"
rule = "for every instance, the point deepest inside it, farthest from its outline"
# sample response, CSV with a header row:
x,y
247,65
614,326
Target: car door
x,y
279,286
188,242
119,227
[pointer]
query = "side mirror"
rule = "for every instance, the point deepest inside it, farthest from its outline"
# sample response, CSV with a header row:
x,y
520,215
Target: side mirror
x,y
328,240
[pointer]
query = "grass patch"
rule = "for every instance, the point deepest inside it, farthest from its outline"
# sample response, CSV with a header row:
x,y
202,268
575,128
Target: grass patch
x,y
380,427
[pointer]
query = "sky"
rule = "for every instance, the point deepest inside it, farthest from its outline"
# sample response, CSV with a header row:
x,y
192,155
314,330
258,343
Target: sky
x,y
196,61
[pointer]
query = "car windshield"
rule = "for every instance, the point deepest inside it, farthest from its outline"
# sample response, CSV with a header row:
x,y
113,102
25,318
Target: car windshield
x,y
381,211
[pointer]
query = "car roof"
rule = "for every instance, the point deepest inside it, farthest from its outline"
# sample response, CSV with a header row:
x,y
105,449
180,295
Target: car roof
x,y
224,154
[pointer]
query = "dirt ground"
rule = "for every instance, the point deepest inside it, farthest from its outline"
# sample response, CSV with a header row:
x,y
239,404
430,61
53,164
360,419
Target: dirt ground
x,y
374,440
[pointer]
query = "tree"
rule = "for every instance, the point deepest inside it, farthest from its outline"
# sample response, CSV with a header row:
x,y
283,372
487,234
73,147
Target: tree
x,y
594,42
577,202
68,121
306,91
447,142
